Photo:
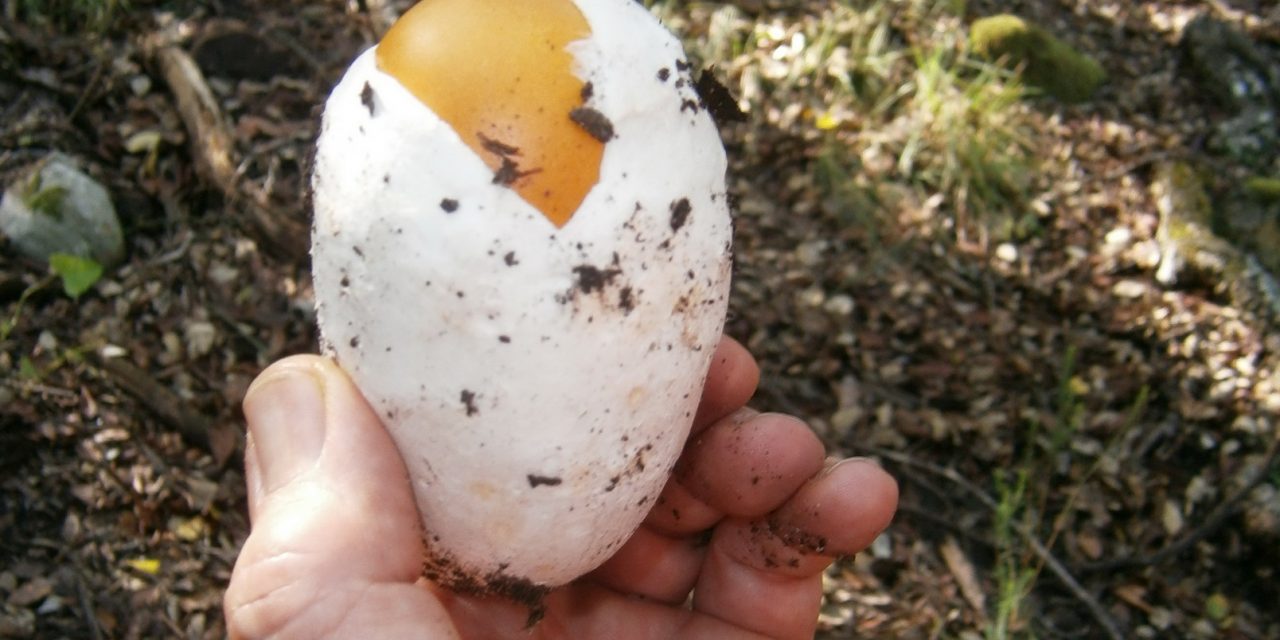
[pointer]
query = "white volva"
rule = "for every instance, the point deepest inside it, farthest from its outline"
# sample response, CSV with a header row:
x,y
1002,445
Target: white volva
x,y
538,381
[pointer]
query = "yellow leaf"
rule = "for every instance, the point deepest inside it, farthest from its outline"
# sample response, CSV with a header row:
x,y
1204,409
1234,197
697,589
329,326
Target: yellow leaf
x,y
826,122
1078,386
189,529
143,141
149,566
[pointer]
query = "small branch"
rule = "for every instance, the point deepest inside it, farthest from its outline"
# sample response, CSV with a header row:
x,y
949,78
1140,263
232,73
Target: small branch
x,y
214,149
210,136
194,427
86,603
90,89
1055,566
932,517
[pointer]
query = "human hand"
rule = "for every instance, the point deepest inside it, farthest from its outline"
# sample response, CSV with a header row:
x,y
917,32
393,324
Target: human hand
x,y
751,518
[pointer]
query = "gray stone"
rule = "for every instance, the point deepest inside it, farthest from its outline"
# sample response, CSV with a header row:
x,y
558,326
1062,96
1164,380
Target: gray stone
x,y
1252,223
1242,78
57,208
1250,137
1229,66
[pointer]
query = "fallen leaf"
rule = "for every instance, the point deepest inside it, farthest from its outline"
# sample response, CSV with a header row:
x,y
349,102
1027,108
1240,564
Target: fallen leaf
x,y
30,592
149,566
1171,517
1089,544
1134,595
189,529
966,577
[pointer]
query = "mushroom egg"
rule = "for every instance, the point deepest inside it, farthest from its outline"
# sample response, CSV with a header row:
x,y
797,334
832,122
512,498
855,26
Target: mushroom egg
x,y
521,256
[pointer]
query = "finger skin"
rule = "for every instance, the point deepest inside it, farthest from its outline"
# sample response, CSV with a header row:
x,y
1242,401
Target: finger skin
x,y
738,595
679,513
779,559
589,612
335,551
731,381
773,605
654,566
747,464
335,540
744,464
840,512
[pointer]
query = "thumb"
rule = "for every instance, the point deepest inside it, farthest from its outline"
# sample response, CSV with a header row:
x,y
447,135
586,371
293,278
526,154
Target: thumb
x,y
335,545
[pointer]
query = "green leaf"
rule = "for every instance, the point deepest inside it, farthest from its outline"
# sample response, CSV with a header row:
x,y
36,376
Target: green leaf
x,y
1217,607
78,274
46,200
27,369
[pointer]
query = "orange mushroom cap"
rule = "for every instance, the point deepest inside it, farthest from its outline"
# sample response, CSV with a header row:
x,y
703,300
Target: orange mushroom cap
x,y
499,73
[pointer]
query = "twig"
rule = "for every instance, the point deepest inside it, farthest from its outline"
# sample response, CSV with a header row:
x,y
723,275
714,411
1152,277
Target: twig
x,y
1055,566
213,146
89,89
1137,163
86,601
43,389
1211,523
194,427
950,524
303,52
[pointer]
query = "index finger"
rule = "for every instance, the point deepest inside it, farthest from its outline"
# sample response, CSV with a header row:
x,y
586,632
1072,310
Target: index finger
x,y
731,381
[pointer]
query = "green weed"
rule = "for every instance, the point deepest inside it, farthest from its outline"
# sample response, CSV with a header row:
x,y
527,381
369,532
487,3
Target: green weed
x,y
44,199
27,370
1023,506
7,325
848,195
888,80
966,143
77,275
1022,503
896,80
1068,404
1263,189
1014,574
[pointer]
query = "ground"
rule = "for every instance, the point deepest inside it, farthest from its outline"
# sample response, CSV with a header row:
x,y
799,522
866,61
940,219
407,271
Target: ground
x,y
1084,450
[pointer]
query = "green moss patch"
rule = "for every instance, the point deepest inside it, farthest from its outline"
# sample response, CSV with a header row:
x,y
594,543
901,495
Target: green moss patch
x,y
1264,189
1046,62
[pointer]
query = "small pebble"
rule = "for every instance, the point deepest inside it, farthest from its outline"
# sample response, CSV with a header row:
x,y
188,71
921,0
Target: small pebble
x,y
1007,252
1119,236
140,85
1129,289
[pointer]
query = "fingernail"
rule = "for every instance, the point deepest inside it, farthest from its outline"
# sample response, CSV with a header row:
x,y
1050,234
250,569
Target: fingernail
x,y
833,463
285,412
